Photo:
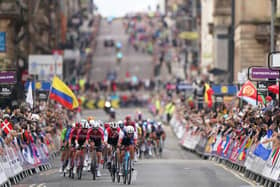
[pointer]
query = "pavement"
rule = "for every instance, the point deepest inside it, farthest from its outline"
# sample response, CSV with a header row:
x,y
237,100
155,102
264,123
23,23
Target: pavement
x,y
178,168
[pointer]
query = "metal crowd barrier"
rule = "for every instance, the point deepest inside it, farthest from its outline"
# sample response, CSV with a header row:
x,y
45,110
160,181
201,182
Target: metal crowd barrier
x,y
17,163
236,155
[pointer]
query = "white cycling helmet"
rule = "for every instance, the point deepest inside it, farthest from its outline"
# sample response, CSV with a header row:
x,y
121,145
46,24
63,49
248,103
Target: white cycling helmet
x,y
73,125
101,124
114,125
95,125
129,129
84,123
91,122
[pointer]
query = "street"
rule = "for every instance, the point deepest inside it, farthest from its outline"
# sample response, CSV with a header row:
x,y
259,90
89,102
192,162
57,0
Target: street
x,y
105,58
177,168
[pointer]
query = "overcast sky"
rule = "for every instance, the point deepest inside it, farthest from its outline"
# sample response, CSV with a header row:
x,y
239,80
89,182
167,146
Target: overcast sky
x,y
121,7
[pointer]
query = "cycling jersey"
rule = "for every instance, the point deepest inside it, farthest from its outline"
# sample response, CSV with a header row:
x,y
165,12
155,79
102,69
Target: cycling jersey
x,y
81,136
73,135
126,140
112,136
97,136
65,134
159,132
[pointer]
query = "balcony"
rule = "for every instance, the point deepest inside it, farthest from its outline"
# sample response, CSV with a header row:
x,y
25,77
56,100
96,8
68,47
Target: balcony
x,y
10,9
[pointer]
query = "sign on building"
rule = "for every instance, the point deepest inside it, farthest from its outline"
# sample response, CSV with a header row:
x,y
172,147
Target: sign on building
x,y
2,41
45,66
8,77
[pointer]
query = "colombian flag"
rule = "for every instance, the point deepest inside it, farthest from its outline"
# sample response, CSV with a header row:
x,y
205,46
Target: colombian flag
x,y
61,93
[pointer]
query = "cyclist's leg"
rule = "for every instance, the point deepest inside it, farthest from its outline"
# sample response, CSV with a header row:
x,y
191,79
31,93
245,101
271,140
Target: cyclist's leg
x,y
62,158
109,153
99,164
122,152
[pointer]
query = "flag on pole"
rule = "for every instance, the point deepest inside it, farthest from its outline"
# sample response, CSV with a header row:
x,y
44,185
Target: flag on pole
x,y
29,96
61,93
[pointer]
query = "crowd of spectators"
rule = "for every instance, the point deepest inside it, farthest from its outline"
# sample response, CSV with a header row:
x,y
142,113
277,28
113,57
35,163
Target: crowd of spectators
x,y
239,122
23,126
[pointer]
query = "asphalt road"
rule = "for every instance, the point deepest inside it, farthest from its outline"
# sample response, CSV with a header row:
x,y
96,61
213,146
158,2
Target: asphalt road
x,y
178,168
105,58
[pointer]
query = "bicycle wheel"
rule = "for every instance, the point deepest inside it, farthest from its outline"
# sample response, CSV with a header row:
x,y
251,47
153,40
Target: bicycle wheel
x,y
129,171
93,167
118,170
93,170
79,172
124,172
114,167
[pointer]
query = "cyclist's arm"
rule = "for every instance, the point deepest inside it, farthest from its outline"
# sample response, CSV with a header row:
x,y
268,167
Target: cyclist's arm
x,y
88,136
121,135
102,137
78,135
105,136
71,136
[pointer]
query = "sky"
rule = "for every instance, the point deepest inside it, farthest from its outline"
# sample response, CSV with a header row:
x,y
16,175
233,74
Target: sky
x,y
119,8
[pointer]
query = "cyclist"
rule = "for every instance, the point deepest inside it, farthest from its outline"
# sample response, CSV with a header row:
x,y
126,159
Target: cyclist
x,y
65,134
72,139
95,138
80,141
149,136
112,139
159,134
127,140
121,124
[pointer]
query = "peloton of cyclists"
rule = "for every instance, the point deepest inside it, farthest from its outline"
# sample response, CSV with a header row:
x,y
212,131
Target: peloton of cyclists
x,y
88,135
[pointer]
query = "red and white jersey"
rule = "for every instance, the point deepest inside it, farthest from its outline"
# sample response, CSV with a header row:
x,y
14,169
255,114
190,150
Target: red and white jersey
x,y
95,134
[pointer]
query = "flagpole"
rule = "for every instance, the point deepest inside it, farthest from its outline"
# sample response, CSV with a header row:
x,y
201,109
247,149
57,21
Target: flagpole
x,y
49,94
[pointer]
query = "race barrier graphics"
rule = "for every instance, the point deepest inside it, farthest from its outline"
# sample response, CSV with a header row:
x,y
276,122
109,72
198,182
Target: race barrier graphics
x,y
17,162
259,162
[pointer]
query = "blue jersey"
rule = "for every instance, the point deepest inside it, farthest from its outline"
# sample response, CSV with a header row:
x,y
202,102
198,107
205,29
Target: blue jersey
x,y
67,135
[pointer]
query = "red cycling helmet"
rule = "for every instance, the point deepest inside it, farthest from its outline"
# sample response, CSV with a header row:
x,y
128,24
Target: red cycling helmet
x,y
78,125
128,118
106,125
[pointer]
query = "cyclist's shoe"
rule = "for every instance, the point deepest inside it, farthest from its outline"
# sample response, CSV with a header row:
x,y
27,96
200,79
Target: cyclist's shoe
x,y
98,173
60,170
89,168
120,172
75,169
68,166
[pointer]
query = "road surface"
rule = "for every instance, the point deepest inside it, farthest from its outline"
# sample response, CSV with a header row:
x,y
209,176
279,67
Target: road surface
x,y
136,63
178,168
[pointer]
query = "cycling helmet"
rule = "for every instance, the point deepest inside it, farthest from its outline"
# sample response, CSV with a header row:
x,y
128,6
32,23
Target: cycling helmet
x,y
78,125
101,124
91,123
121,124
130,130
114,125
159,124
107,125
95,125
84,123
128,118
